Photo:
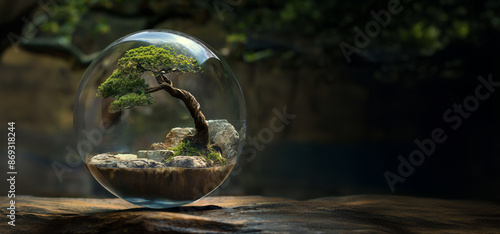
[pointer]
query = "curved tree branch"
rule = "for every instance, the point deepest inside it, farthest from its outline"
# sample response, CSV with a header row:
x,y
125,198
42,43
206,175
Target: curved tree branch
x,y
154,89
200,138
128,88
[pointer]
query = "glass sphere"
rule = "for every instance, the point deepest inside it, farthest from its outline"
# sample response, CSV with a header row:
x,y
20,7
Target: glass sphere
x,y
139,128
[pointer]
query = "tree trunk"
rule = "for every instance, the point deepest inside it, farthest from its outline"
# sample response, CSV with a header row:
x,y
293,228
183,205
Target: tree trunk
x,y
200,138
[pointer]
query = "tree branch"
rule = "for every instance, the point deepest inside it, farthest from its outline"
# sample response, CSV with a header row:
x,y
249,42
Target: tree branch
x,y
166,79
154,89
201,136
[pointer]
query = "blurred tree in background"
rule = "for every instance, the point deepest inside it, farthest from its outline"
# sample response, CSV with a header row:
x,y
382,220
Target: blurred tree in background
x,y
353,119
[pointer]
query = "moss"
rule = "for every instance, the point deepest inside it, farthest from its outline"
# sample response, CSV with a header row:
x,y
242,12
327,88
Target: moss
x,y
185,148
168,159
215,156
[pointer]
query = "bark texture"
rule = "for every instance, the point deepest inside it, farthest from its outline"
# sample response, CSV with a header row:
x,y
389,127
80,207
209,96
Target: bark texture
x,y
201,137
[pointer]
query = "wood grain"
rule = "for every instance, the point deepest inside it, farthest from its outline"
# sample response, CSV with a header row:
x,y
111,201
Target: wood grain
x,y
361,213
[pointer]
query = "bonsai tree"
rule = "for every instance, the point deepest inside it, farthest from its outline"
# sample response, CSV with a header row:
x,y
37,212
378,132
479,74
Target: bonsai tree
x,y
128,89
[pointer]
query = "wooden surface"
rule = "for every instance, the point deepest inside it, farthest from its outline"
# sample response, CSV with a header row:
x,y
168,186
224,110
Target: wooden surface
x,y
361,213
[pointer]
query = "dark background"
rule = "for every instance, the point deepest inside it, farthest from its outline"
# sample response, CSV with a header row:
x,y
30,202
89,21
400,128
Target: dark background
x,y
352,120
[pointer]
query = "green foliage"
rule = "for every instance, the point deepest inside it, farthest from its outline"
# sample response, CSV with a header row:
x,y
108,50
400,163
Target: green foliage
x,y
67,17
128,89
215,156
129,100
312,30
185,148
126,84
156,59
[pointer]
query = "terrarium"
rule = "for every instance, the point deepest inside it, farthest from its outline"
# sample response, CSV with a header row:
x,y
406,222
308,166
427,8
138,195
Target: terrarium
x,y
160,119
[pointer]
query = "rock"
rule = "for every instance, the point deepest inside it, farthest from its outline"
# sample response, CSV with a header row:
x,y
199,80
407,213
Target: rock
x,y
176,135
187,162
225,135
158,146
217,125
220,132
255,214
123,161
173,138
157,155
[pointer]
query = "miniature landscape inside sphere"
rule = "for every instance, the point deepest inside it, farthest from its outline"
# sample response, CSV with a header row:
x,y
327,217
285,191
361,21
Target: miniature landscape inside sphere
x,y
160,119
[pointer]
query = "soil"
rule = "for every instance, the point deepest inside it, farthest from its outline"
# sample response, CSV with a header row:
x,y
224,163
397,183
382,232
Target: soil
x,y
173,183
